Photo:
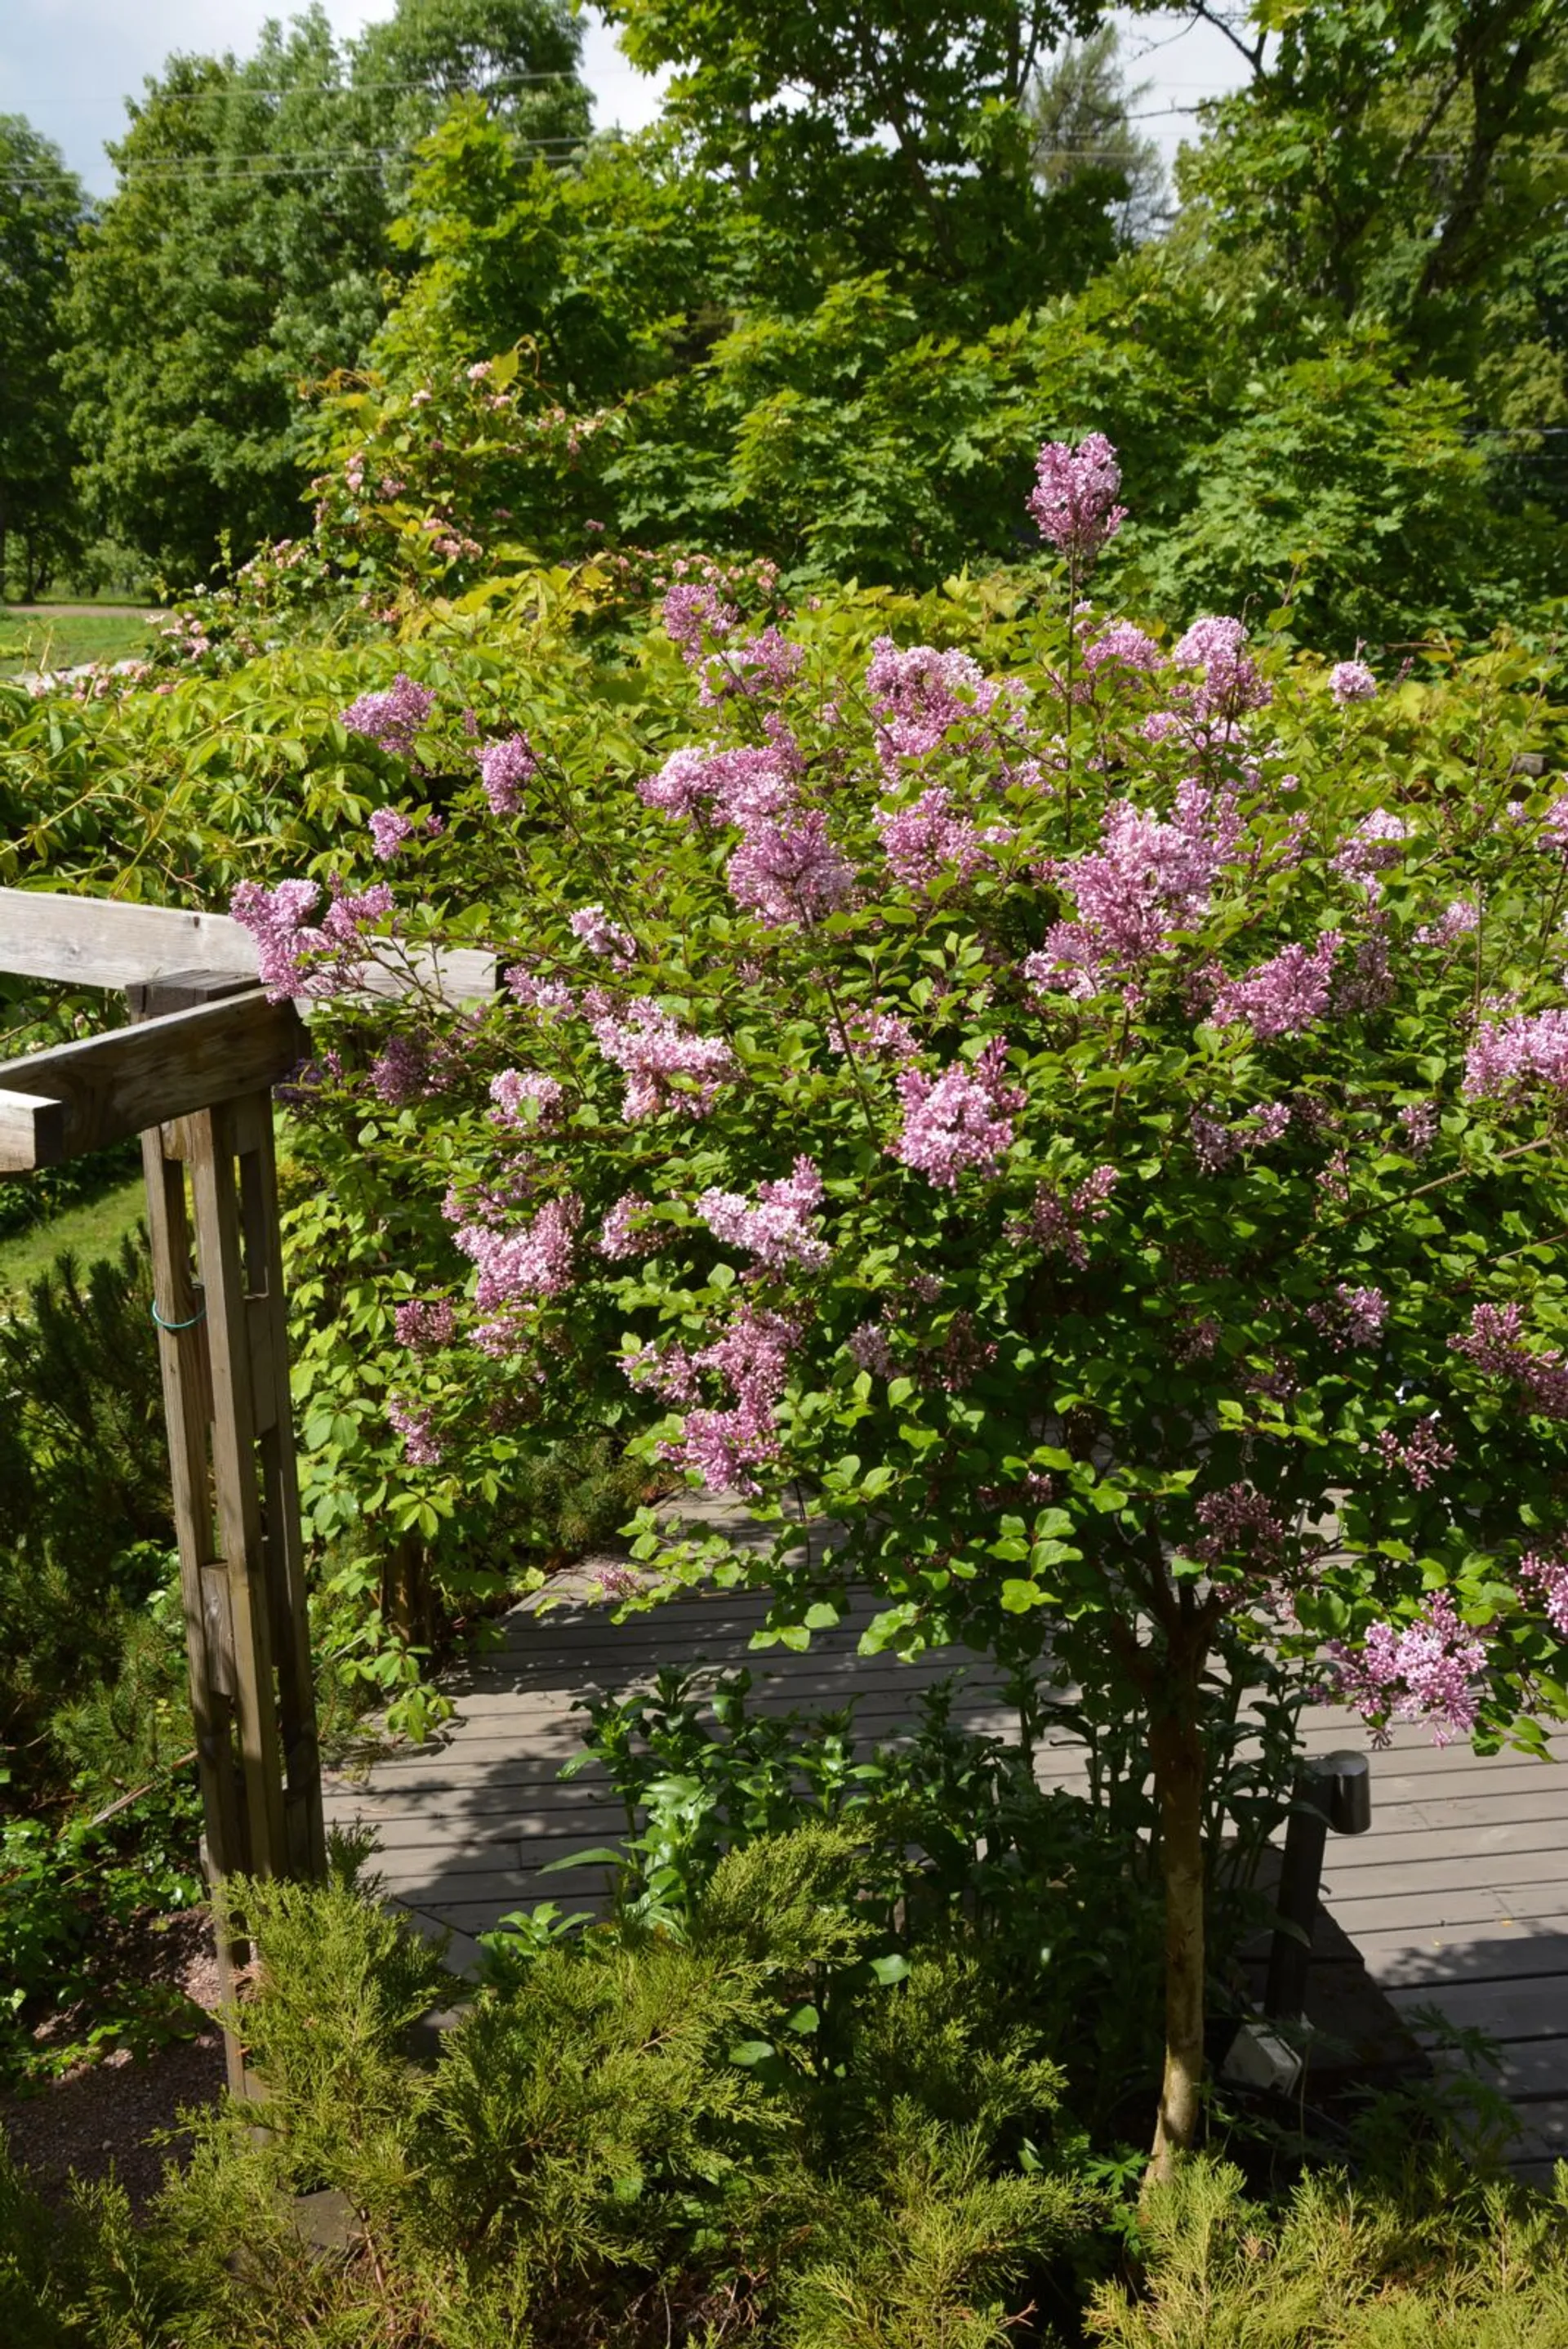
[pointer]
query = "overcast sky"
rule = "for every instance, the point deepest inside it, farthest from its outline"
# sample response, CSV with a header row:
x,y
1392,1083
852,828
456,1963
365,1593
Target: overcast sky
x,y
68,64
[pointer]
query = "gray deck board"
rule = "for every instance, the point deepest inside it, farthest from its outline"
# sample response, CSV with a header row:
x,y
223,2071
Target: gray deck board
x,y
1457,1898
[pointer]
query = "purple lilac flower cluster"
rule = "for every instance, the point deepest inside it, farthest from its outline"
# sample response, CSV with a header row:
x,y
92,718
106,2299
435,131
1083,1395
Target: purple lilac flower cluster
x,y
1060,1223
778,1230
1073,501
1353,1317
297,957
603,937
1509,1053
960,1119
1428,1670
1550,1576
665,1065
1239,1526
1351,680
922,698
390,828
1147,879
1423,1454
517,1268
625,1233
725,1446
421,1447
504,768
423,1324
393,718
1281,997
513,1087
1494,1345
1216,1145
925,840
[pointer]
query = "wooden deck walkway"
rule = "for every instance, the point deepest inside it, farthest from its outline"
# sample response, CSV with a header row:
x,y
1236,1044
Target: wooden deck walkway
x,y
1458,1897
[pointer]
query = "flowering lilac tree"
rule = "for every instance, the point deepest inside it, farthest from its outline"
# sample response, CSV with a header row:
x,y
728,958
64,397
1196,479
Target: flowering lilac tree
x,y
1095,1135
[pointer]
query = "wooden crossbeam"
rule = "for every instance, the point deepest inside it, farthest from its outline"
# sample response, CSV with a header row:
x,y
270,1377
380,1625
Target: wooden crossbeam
x,y
76,1097
108,942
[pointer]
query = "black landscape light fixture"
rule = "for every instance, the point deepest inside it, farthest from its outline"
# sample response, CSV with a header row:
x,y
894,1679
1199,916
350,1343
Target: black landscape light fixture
x,y
1334,1792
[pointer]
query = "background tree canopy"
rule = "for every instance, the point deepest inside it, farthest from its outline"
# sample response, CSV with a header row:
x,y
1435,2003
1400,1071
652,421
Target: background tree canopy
x,y
828,307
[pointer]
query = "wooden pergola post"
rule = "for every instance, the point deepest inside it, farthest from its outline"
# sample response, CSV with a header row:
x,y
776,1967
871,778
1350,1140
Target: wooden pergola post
x,y
193,1075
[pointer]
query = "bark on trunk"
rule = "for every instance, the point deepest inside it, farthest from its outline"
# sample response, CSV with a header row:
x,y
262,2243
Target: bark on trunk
x,y
1176,1752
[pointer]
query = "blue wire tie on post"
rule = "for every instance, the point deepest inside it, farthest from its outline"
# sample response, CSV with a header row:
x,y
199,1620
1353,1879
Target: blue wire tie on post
x,y
171,1327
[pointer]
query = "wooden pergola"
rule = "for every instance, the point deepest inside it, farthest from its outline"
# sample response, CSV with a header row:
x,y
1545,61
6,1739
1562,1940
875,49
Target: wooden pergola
x,y
193,1075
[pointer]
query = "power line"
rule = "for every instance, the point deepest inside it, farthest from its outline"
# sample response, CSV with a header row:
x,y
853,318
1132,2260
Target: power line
x,y
241,90
214,170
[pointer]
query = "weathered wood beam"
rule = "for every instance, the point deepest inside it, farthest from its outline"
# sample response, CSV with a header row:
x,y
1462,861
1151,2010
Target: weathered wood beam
x,y
77,1097
108,942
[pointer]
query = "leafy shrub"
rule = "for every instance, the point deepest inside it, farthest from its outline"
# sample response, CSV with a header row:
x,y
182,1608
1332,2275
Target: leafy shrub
x,y
1083,1134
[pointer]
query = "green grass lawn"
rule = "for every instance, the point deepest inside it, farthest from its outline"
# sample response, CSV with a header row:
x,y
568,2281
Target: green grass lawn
x,y
90,1231
33,640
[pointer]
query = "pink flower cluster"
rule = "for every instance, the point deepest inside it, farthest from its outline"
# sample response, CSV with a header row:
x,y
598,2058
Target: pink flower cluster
x,y
1215,1145
601,935
874,1034
1120,645
724,1447
665,1065
392,719
764,664
1058,1222
739,786
788,870
1353,1316
421,1448
1377,842
1146,880
408,1069
622,1233
517,1268
1239,1525
551,998
1427,1671
1073,501
1423,1454
871,1349
1456,921
1550,1576
691,613
927,839
513,1087
960,1119
1509,1053
1232,684
423,1323
1351,680
296,956
504,768
390,828
778,1230
920,696
1281,996
1419,1124
1494,1345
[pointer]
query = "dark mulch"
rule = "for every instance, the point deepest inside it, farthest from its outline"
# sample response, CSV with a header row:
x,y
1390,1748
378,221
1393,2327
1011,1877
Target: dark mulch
x,y
109,2117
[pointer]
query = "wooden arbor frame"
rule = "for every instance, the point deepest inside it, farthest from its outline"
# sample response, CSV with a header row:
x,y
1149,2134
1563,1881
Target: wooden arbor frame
x,y
194,1077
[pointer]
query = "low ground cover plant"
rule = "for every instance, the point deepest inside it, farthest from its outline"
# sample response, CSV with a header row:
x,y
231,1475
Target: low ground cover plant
x,y
1091,1132
763,2127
